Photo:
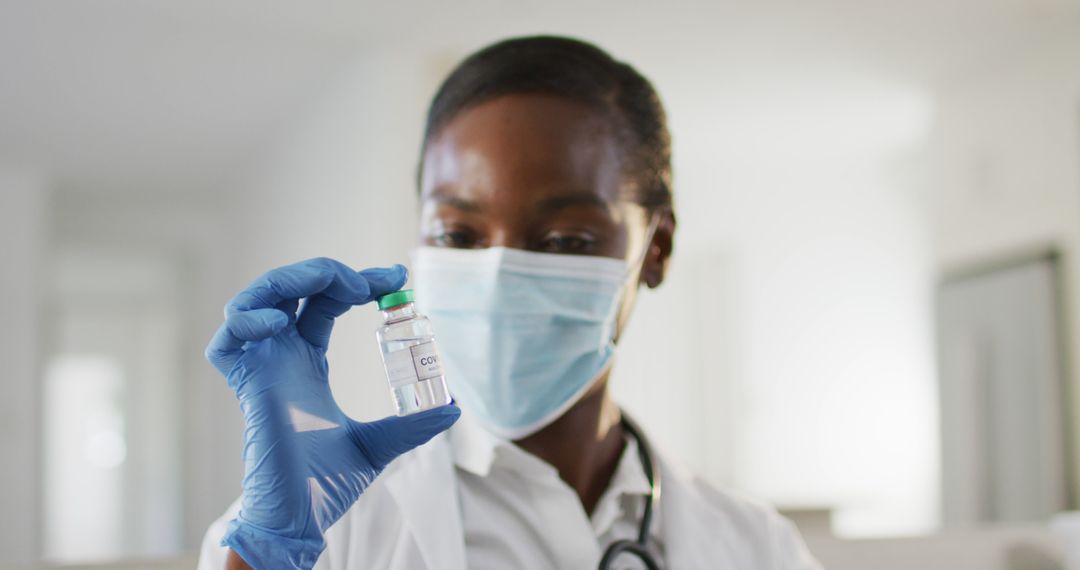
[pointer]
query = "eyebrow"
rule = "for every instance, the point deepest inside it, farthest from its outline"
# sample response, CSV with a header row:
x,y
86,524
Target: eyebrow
x,y
573,199
547,205
454,201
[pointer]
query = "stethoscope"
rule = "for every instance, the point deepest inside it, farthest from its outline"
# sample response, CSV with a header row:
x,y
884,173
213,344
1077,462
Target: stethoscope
x,y
639,547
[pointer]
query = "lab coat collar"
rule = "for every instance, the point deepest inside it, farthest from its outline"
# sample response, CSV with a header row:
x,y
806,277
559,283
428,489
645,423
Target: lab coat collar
x,y
425,489
628,479
477,451
680,517
473,447
684,520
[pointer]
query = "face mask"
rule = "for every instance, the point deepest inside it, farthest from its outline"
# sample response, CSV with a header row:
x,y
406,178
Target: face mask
x,y
523,335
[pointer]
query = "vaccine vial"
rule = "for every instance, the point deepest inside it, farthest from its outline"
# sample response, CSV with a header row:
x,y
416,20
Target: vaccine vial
x,y
412,361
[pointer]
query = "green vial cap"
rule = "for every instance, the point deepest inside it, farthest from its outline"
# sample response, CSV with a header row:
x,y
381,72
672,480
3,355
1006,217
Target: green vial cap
x,y
396,298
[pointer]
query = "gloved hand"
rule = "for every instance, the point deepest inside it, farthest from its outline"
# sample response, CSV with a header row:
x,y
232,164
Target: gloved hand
x,y
305,461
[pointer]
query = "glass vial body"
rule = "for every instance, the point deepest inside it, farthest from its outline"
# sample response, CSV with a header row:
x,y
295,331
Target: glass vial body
x,y
411,360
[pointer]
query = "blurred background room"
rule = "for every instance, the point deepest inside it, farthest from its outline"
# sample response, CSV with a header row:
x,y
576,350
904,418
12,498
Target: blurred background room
x,y
871,319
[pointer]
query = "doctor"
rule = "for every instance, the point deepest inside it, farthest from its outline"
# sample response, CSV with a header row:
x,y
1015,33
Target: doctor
x,y
545,202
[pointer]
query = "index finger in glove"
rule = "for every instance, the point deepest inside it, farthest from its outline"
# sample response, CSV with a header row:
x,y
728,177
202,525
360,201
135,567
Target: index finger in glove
x,y
321,275
316,319
227,344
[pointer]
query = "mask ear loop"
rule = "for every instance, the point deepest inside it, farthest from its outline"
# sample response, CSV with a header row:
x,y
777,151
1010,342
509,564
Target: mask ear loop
x,y
650,232
635,268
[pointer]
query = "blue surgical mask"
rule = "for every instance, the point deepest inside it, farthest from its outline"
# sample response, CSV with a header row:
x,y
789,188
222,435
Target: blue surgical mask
x,y
523,335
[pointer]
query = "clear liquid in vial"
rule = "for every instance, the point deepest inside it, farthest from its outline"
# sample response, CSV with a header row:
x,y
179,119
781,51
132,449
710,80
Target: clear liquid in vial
x,y
411,359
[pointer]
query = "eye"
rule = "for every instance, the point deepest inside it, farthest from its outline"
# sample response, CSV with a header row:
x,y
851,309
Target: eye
x,y
571,243
456,238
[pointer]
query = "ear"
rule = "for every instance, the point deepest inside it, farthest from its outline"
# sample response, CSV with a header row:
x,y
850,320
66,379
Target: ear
x,y
659,254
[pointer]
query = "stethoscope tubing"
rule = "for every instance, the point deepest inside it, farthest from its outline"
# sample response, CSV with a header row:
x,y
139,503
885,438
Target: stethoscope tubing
x,y
639,547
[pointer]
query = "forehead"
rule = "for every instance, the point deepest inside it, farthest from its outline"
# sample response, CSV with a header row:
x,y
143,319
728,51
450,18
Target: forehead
x,y
521,148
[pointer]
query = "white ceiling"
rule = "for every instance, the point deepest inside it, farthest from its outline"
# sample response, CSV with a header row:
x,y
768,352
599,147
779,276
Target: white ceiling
x,y
126,95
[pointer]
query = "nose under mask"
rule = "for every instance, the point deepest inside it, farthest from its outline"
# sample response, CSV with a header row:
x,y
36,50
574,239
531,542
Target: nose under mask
x,y
523,335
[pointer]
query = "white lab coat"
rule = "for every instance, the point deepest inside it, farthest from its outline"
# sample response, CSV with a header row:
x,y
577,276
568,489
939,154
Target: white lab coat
x,y
409,519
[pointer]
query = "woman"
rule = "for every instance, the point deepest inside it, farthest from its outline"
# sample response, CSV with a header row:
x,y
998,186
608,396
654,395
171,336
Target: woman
x,y
545,202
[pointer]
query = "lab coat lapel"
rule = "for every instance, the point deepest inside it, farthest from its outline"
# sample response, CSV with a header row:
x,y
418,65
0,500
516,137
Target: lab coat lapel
x,y
687,534
425,489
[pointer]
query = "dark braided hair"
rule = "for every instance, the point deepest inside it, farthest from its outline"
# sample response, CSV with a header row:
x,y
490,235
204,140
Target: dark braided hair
x,y
576,70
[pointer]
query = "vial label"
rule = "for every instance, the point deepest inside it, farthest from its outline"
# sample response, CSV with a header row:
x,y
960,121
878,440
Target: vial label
x,y
419,362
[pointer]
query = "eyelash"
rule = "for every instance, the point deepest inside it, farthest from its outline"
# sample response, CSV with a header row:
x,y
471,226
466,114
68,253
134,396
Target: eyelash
x,y
571,244
456,239
567,244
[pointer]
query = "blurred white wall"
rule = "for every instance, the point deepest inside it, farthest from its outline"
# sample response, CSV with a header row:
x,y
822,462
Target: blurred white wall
x,y
1004,175
126,269
796,206
23,221
339,182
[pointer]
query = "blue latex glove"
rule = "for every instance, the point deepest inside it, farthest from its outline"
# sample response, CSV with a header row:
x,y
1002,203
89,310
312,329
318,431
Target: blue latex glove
x,y
305,461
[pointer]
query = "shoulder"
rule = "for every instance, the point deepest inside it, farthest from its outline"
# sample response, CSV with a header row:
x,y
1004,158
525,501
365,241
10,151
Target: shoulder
x,y
750,531
751,516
